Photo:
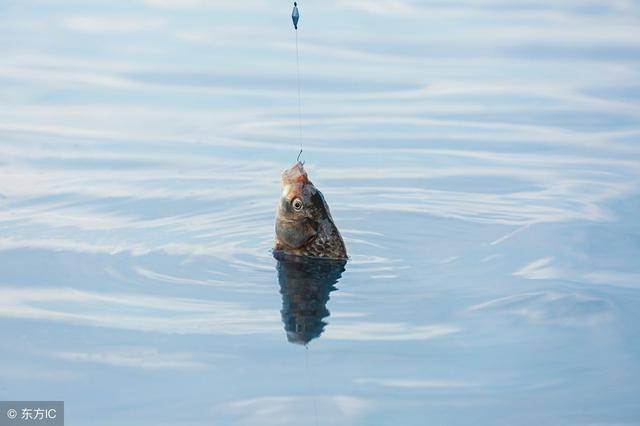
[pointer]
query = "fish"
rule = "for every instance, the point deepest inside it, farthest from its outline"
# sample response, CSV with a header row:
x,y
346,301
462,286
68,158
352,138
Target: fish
x,y
304,226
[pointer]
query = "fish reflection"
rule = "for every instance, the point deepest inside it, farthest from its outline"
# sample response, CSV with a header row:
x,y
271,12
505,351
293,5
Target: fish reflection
x,y
305,285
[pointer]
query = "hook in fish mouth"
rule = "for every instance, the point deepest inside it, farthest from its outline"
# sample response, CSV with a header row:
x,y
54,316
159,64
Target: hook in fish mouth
x,y
298,159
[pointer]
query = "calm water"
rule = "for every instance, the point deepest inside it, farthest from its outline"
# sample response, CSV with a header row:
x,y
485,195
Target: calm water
x,y
481,159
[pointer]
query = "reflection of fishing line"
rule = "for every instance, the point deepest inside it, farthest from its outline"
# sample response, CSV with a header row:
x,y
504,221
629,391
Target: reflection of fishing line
x,y
313,388
299,97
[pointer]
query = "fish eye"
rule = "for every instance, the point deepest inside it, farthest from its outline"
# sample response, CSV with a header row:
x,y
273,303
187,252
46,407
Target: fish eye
x,y
297,204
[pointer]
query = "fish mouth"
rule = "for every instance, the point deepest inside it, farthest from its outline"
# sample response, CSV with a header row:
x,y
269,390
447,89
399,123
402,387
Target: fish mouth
x,y
295,175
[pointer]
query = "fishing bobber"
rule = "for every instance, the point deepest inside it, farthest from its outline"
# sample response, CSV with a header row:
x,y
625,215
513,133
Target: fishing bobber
x,y
295,15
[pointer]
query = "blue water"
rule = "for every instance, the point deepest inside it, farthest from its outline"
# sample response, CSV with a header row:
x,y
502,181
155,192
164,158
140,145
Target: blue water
x,y
481,160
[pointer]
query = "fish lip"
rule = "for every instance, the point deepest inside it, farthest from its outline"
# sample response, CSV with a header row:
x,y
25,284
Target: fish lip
x,y
295,174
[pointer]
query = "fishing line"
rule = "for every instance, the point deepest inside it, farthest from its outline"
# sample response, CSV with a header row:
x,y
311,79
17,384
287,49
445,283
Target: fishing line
x,y
299,95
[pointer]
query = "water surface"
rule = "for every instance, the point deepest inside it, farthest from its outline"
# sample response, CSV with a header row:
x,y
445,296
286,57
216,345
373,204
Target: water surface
x,y
480,158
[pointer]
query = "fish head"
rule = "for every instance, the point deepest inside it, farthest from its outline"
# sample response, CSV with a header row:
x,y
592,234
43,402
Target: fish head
x,y
300,210
304,225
